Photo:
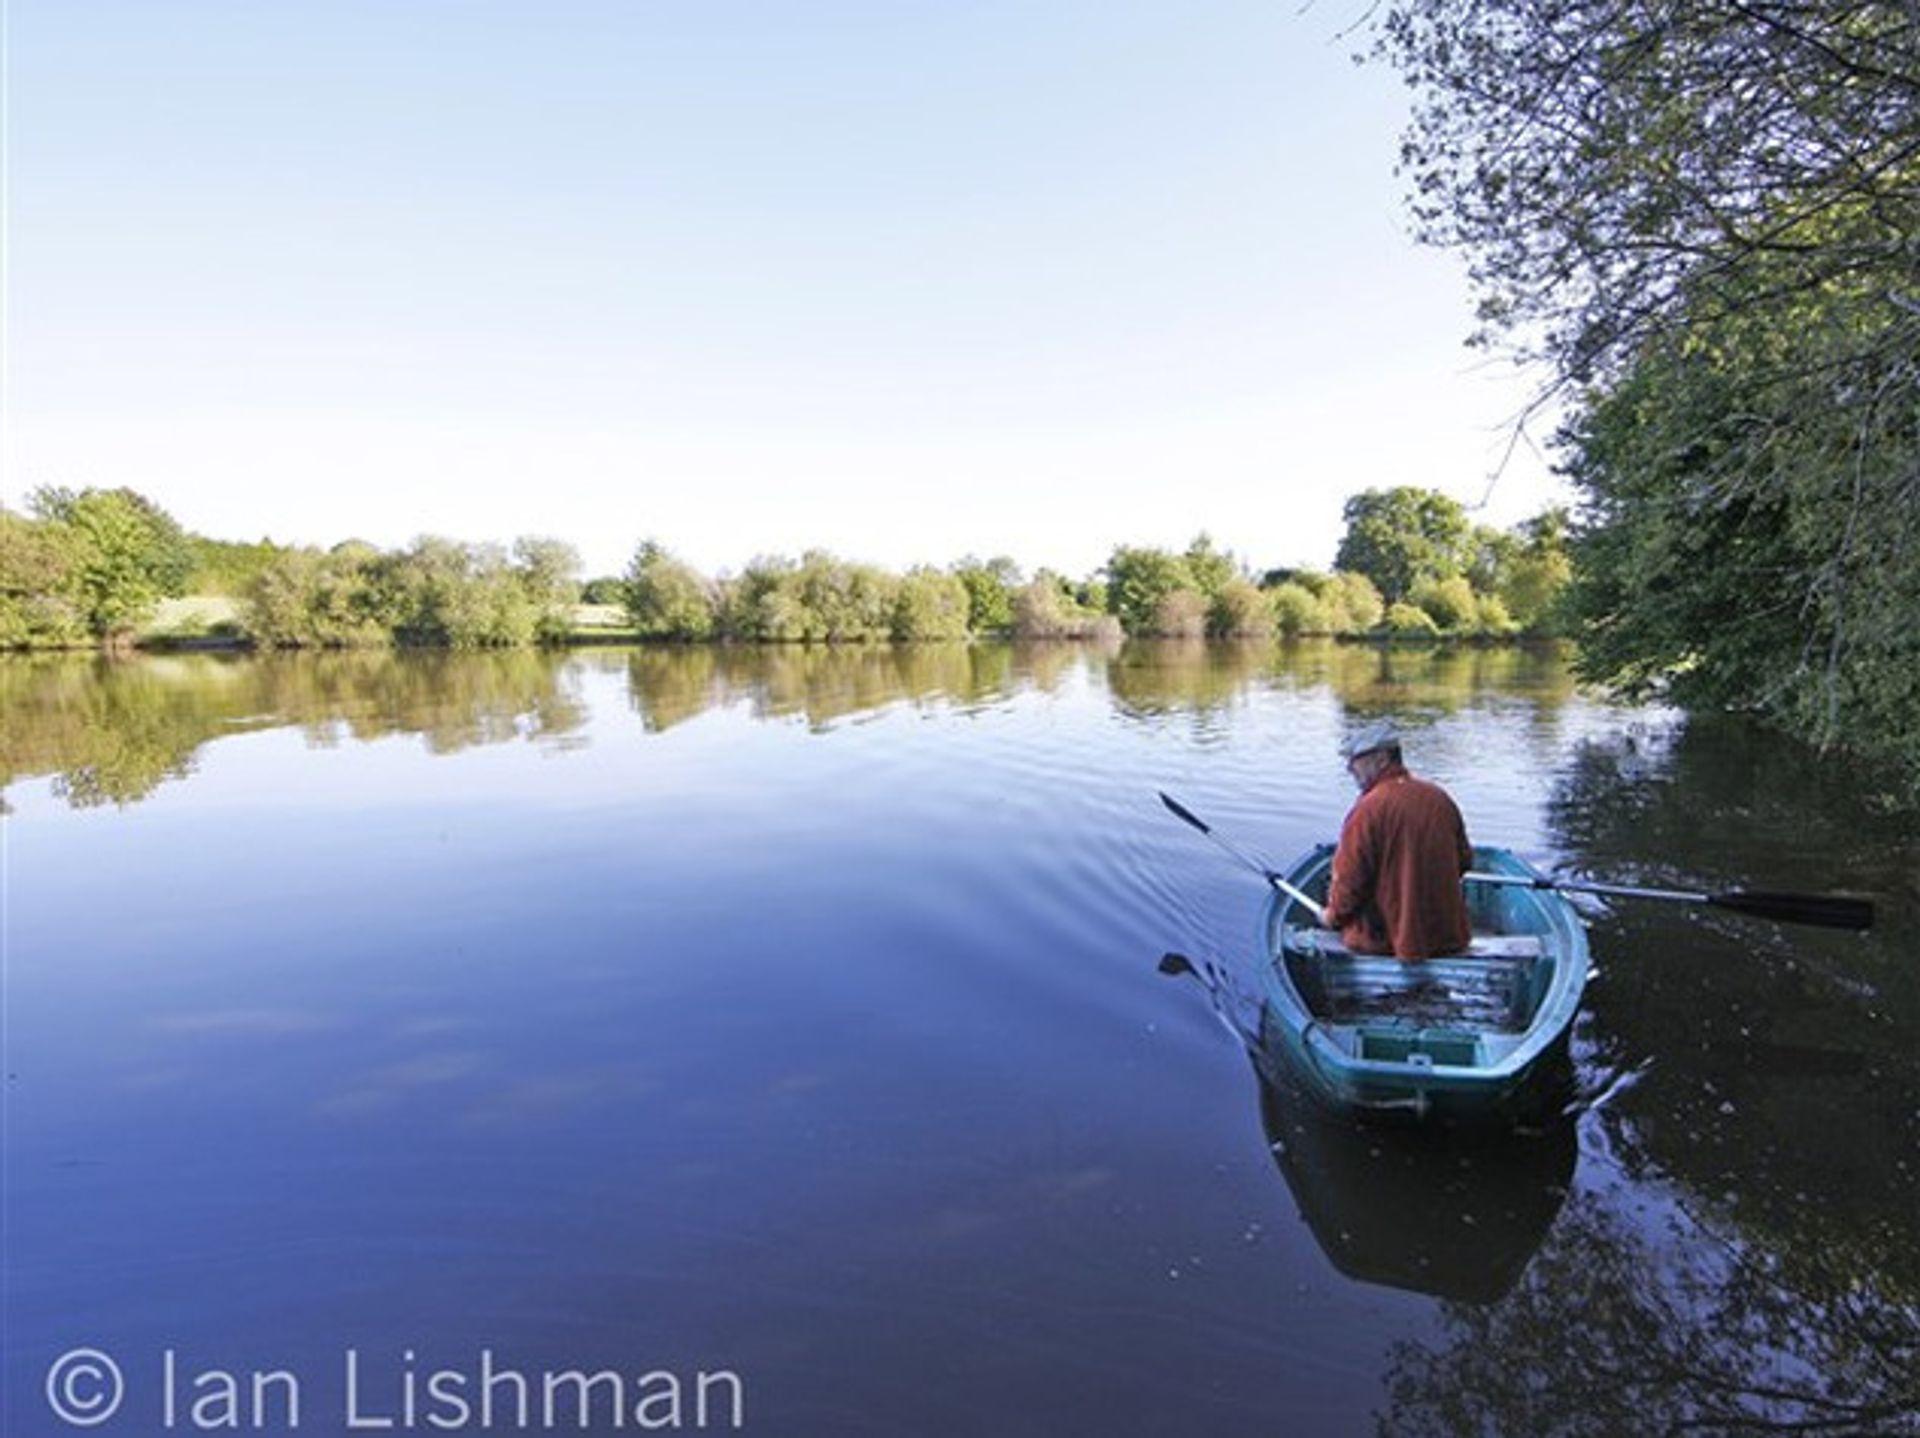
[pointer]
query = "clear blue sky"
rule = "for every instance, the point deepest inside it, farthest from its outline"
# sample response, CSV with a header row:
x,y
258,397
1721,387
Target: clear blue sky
x,y
905,280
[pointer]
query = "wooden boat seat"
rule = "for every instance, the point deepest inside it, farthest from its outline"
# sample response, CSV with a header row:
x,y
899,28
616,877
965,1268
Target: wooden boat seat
x,y
1487,988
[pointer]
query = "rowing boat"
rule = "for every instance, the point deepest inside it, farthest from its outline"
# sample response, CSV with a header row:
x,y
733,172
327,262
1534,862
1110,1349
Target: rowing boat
x,y
1465,1035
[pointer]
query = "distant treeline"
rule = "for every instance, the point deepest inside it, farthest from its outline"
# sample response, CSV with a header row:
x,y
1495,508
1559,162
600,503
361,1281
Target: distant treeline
x,y
92,566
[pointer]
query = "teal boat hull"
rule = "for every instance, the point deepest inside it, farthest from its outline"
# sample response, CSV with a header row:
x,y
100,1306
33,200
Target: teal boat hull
x,y
1472,1036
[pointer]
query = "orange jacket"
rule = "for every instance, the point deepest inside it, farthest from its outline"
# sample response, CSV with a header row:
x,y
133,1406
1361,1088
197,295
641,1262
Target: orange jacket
x,y
1396,872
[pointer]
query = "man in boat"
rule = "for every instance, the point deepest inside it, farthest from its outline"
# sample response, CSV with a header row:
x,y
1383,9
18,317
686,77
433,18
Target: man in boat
x,y
1396,872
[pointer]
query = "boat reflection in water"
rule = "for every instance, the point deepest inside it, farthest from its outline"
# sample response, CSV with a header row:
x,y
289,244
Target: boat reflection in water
x,y
1456,1212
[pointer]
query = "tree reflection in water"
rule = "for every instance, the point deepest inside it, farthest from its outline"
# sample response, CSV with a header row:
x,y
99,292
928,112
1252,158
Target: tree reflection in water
x,y
111,731
1742,1249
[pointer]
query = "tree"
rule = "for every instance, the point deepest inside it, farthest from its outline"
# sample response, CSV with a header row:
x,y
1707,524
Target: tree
x,y
1409,621
303,598
39,604
1702,220
1045,608
126,554
1239,610
1537,573
990,586
1399,537
1450,603
1180,614
1138,583
667,599
1297,610
1351,602
1208,569
930,605
548,571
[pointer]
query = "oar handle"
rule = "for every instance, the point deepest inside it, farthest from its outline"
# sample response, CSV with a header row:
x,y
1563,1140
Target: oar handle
x,y
1310,905
1272,876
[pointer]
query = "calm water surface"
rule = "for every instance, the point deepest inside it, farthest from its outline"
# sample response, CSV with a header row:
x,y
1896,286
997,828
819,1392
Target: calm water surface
x,y
796,1013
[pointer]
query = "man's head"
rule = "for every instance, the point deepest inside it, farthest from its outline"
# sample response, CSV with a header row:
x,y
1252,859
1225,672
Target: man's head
x,y
1370,750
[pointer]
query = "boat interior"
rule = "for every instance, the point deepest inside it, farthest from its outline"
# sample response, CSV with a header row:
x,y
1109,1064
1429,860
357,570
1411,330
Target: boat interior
x,y
1466,1010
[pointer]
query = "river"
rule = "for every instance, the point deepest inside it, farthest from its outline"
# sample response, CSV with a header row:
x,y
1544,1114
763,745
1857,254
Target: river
x,y
795,1015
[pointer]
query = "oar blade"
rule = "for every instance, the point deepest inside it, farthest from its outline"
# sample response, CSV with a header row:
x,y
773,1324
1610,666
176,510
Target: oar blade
x,y
1831,911
1182,812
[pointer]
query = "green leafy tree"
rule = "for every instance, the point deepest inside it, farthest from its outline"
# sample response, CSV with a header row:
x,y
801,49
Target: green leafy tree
x,y
1209,570
1297,609
1399,537
1351,602
666,598
1180,614
1240,610
990,588
1410,621
1140,580
126,553
1450,603
304,598
1702,220
548,573
224,566
39,601
1492,616
1538,574
1045,608
1781,585
930,605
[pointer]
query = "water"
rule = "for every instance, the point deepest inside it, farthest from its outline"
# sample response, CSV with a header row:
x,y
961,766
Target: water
x,y
798,1014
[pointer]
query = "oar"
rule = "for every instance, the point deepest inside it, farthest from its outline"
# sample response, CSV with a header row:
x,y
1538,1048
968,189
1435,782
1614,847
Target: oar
x,y
1832,911
1267,872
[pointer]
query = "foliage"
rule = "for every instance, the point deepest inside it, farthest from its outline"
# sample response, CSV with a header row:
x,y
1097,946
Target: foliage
x,y
1537,574
436,592
1703,220
1179,614
604,589
1239,610
306,599
39,605
1209,570
1409,621
1491,617
123,554
665,598
1045,608
930,605
1297,610
547,572
1399,537
1351,602
1751,578
1138,579
226,567
1450,603
990,586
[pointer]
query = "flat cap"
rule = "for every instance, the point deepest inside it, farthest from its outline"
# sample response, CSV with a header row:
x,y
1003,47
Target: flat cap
x,y
1381,734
